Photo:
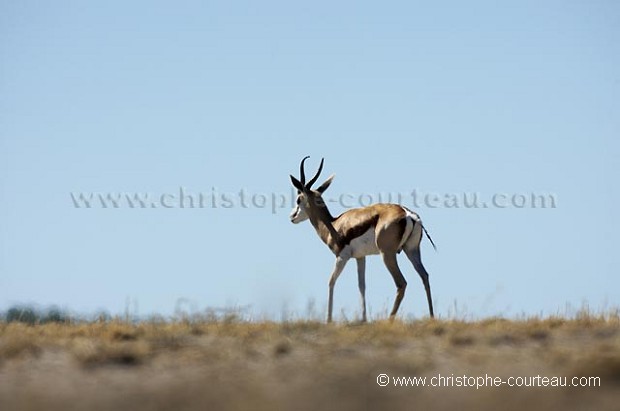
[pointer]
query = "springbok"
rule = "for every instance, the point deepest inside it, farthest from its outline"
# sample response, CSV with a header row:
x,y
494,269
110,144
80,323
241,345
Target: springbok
x,y
384,229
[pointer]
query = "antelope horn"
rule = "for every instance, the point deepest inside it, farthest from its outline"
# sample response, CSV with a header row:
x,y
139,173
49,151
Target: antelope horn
x,y
302,174
316,176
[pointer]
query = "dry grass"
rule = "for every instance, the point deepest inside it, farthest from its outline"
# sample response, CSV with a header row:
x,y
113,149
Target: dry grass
x,y
304,365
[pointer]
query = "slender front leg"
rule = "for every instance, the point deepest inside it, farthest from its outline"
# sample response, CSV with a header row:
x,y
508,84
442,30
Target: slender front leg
x,y
361,282
340,263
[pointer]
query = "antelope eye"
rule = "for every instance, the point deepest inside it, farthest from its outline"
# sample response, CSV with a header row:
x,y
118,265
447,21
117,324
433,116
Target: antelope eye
x,y
298,200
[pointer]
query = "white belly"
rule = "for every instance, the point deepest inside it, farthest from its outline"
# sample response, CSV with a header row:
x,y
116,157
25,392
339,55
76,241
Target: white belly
x,y
363,245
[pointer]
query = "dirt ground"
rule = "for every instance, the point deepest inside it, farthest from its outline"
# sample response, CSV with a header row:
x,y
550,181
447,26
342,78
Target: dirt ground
x,y
222,365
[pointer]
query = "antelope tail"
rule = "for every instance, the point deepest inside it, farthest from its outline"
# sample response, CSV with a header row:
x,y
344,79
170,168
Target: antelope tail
x,y
428,236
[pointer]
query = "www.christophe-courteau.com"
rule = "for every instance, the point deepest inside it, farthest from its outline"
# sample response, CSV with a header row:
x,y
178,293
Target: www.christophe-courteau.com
x,y
184,198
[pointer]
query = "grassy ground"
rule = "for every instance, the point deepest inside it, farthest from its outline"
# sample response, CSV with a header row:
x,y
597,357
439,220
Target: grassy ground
x,y
230,365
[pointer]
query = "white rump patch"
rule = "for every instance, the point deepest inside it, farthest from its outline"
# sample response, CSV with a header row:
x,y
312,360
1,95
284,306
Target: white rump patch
x,y
407,233
412,218
411,214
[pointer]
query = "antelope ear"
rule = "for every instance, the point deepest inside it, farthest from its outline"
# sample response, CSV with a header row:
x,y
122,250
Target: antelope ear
x,y
326,184
297,184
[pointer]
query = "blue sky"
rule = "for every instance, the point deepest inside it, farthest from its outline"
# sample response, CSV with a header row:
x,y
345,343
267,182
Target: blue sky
x,y
445,97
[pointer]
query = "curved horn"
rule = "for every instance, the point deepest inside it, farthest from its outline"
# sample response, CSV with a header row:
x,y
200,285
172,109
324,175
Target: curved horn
x,y
302,174
316,176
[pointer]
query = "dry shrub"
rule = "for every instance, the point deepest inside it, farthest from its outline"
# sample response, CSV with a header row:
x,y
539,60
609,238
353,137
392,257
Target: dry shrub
x,y
15,346
96,353
460,339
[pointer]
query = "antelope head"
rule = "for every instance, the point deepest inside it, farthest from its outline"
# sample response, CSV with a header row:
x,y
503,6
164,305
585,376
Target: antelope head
x,y
310,202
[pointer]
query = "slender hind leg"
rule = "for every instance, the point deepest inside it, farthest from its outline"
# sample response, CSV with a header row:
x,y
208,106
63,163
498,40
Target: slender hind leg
x,y
413,254
389,259
361,282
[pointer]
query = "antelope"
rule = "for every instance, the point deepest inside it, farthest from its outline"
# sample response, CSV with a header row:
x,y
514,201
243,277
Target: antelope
x,y
385,229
